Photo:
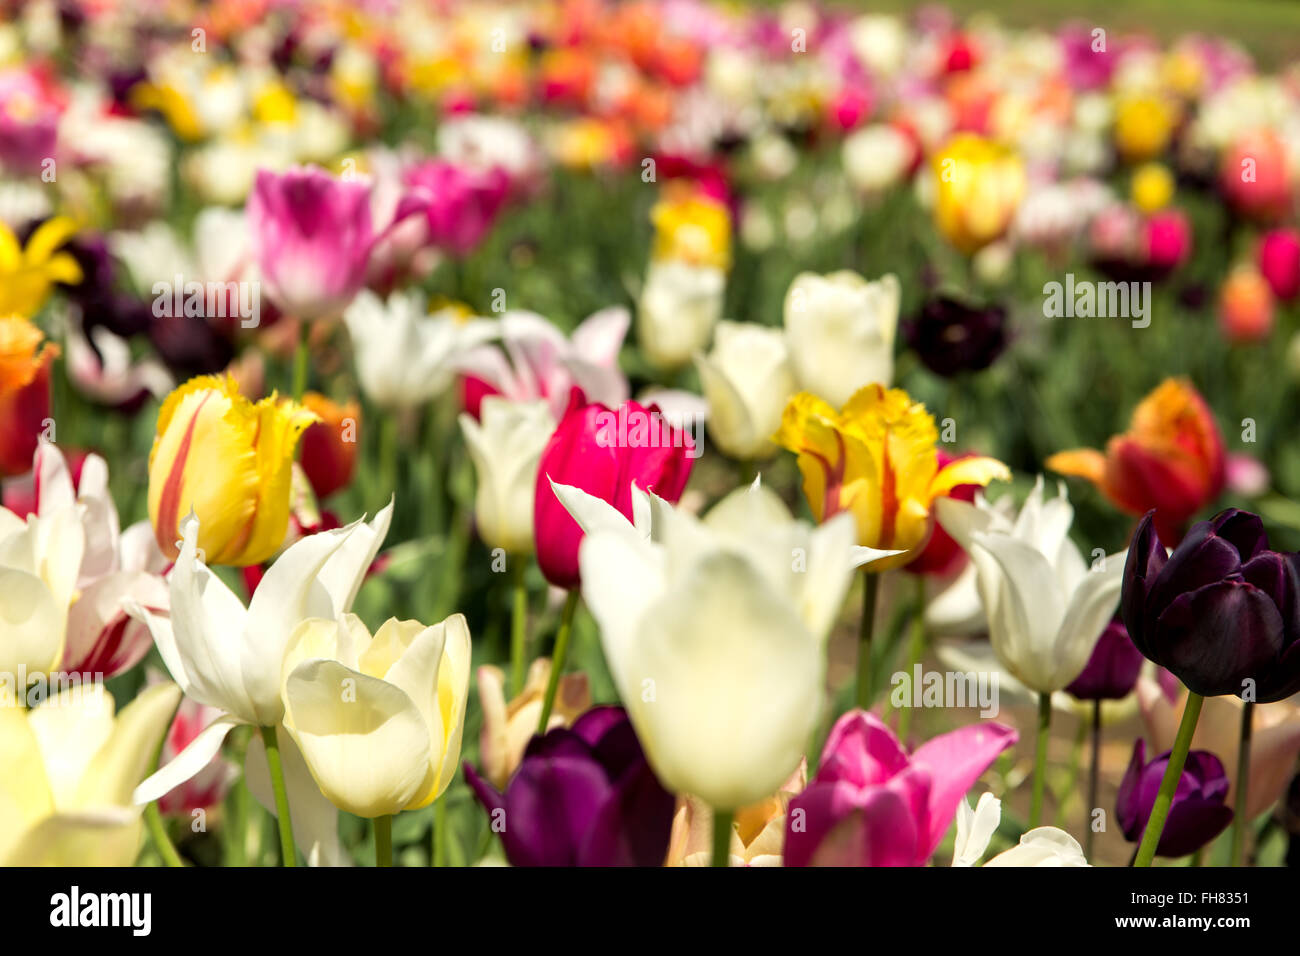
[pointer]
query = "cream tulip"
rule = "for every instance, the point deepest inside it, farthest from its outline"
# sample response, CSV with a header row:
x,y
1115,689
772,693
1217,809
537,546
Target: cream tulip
x,y
678,308
506,444
378,719
840,329
746,380
1045,607
1041,846
40,560
69,768
715,631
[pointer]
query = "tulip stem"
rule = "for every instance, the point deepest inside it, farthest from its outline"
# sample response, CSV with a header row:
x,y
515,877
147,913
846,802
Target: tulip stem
x,y
1173,773
518,629
300,362
288,856
557,658
722,821
384,840
870,584
1094,778
439,857
916,650
1040,758
158,833
1239,820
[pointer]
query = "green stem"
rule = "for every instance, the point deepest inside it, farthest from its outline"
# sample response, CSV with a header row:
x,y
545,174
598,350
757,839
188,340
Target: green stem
x,y
1239,818
1040,759
1173,773
300,356
158,833
722,820
288,857
916,649
1094,778
870,585
518,628
557,659
439,857
384,840
387,453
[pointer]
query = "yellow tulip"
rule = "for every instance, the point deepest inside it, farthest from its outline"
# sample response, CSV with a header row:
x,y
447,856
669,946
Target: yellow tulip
x,y
228,460
379,720
1144,123
876,459
27,274
1152,187
978,187
692,227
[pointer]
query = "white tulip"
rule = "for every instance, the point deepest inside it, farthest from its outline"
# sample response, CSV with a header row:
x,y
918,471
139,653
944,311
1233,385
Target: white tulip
x,y
506,446
876,157
840,329
40,559
747,380
678,308
1045,608
379,719
1041,846
405,356
714,632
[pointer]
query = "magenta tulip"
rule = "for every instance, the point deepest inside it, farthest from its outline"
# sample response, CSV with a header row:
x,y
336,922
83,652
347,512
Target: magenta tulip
x,y
461,204
1279,262
874,804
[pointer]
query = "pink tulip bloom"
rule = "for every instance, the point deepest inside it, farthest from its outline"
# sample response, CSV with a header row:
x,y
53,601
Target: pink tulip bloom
x,y
874,804
311,237
461,204
1279,261
589,451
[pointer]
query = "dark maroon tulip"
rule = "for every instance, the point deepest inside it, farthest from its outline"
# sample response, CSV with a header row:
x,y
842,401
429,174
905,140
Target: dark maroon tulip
x,y
1112,669
582,797
951,336
1198,814
1221,611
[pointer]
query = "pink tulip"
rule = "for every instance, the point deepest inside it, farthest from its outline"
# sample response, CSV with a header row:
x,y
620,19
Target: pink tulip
x,y
1166,239
590,452
874,804
1279,261
461,204
311,237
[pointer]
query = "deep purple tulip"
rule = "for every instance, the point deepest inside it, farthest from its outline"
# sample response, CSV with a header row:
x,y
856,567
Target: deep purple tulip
x,y
951,336
1199,812
1113,668
1220,610
583,796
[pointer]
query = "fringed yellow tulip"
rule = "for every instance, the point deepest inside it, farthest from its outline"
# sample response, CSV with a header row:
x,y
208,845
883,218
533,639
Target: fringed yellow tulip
x,y
876,459
978,187
230,461
27,274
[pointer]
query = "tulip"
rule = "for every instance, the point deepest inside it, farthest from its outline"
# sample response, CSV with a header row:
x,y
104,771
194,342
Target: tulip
x,y
1152,187
678,307
70,765
746,379
209,786
1217,612
1246,306
840,331
878,157
1042,846
1143,125
28,274
506,445
229,657
228,461
329,447
586,451
692,227
102,369
1165,241
1278,259
508,727
312,236
950,336
25,361
872,803
1112,670
405,356
757,837
536,361
682,604
941,555
40,559
378,719
1254,175
460,204
1199,812
978,186
1171,459
876,459
581,797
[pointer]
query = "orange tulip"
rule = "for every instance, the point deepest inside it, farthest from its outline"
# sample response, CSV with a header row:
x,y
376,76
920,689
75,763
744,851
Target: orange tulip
x,y
329,447
25,360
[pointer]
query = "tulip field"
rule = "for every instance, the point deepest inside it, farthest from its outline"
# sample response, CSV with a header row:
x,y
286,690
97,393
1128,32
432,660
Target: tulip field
x,y
648,433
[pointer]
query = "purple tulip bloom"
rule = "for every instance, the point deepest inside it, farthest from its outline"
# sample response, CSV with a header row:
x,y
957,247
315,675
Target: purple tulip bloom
x,y
1113,668
583,796
1220,610
1198,814
951,336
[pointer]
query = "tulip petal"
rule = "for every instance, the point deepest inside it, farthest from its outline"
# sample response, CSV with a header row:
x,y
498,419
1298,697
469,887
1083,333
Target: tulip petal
x,y
315,820
188,762
955,761
967,471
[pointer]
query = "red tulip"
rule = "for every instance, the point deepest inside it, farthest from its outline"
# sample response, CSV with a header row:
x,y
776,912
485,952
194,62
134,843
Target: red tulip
x,y
329,447
25,360
1254,175
603,451
942,555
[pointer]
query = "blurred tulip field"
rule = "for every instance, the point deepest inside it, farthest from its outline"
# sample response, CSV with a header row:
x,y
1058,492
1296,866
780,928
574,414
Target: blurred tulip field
x,y
649,432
